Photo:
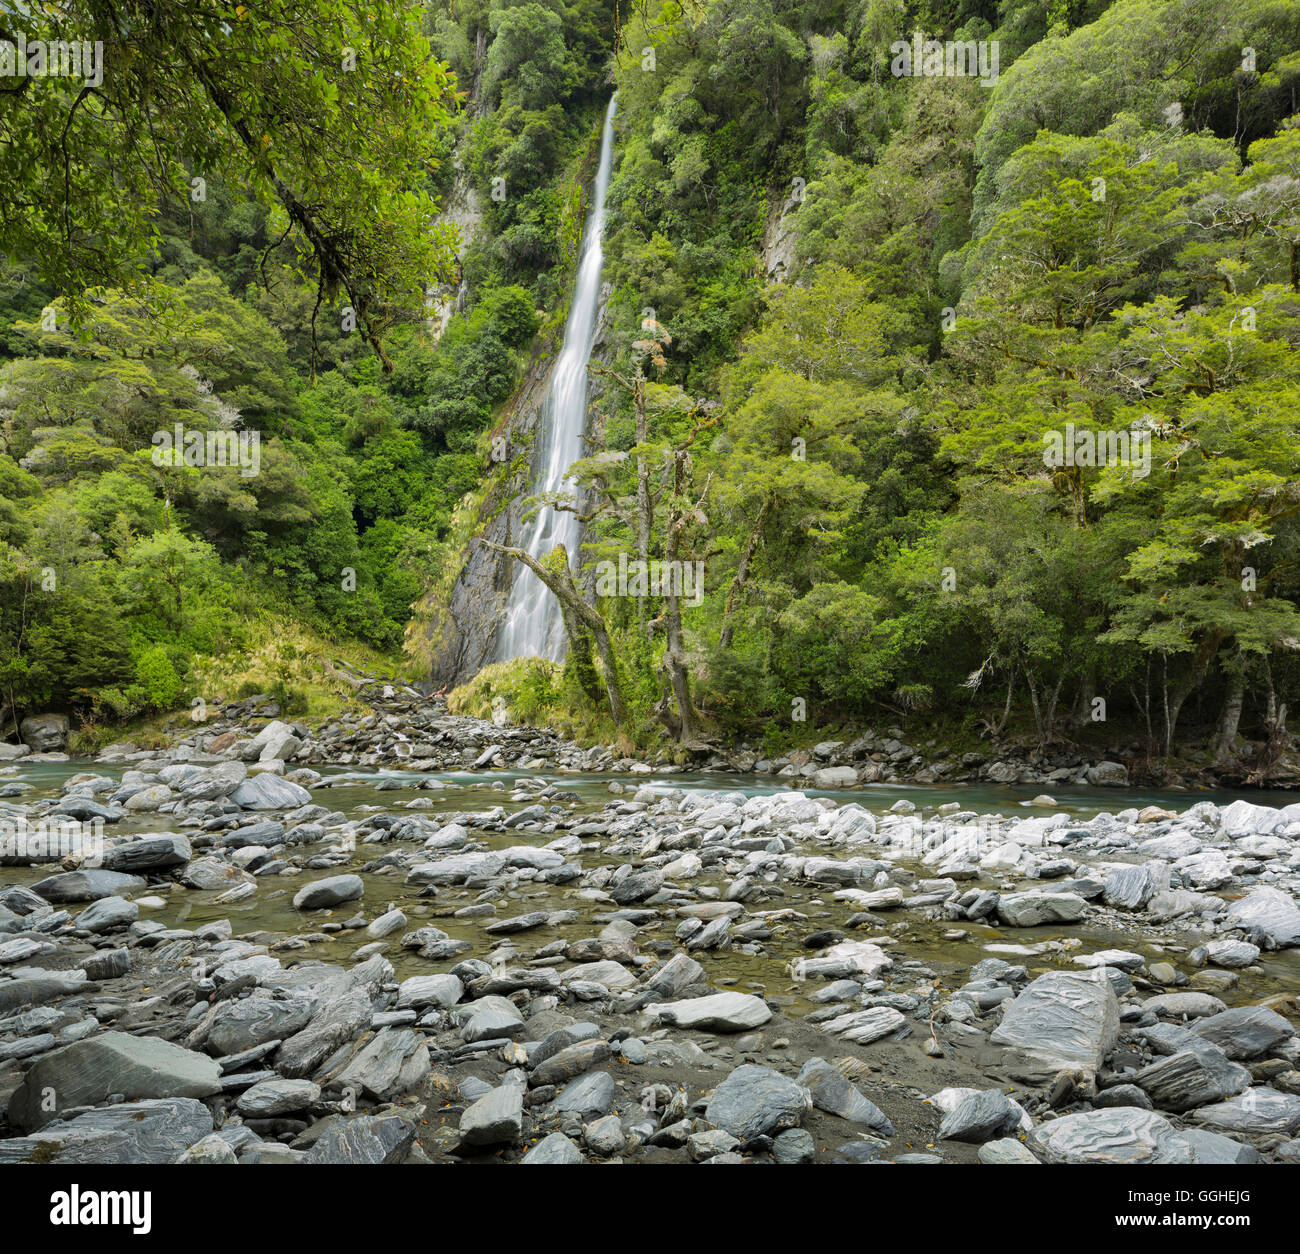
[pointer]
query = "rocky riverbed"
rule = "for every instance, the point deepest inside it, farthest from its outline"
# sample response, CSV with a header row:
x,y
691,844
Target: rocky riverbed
x,y
234,957
400,726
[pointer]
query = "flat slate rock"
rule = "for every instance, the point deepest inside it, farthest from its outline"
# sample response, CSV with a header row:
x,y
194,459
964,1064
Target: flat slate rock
x,y
1125,1136
1187,1079
371,1140
87,885
1255,1112
87,1072
719,1012
1272,911
150,1132
1245,1031
1060,1020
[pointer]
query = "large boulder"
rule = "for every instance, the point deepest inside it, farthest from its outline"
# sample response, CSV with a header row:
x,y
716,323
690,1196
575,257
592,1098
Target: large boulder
x,y
719,1012
753,1101
1060,1021
1124,1135
151,1132
85,1073
86,886
334,890
237,1024
371,1140
213,875
1032,908
148,853
496,1118
1108,775
269,792
1272,911
1245,1031
45,733
1191,1078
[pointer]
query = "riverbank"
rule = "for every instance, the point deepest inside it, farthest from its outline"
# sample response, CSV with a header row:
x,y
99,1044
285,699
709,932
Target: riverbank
x,y
288,964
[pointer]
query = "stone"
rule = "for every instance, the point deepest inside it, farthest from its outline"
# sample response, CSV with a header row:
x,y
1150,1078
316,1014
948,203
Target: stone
x,y
490,1018
1124,1136
1184,1005
211,1150
832,1092
237,1024
269,792
45,733
369,1140
570,1062
835,777
1108,775
1185,1080
87,886
1271,910
551,1151
1060,1021
1255,1112
1032,908
423,991
719,1012
1129,887
146,1132
794,1147
980,1117
754,1101
214,875
1231,953
393,1062
495,1119
337,1021
277,1097
606,1137
334,890
86,1072
1215,1149
1244,1031
148,853
107,913
1006,1152
588,1097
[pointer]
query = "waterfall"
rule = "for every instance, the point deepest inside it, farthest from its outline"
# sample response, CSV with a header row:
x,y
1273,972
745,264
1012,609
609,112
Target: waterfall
x,y
533,625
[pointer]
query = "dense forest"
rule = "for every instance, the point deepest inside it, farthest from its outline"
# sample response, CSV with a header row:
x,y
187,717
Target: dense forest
x,y
978,396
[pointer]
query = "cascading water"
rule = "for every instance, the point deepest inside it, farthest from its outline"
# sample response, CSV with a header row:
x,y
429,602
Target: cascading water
x,y
533,625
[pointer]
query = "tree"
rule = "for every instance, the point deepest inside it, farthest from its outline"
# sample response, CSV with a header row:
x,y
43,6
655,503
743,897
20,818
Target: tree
x,y
325,111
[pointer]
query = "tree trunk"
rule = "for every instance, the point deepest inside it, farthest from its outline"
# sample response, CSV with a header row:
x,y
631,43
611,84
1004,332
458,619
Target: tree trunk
x,y
1231,716
1185,686
674,650
1006,709
560,581
742,574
